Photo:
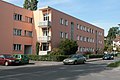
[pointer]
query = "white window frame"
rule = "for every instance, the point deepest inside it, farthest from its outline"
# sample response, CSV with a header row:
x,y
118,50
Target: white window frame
x,y
66,22
61,21
66,35
17,47
61,34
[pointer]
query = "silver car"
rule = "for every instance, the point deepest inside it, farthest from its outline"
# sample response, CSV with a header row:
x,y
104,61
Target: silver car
x,y
75,59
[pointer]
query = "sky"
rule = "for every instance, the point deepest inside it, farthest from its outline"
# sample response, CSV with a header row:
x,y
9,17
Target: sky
x,y
102,13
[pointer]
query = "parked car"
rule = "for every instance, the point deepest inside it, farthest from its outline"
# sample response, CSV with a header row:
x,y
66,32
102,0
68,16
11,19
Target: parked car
x,y
7,59
23,59
108,56
75,59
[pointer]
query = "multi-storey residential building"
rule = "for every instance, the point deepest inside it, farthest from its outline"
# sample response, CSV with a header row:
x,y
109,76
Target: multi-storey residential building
x,y
23,28
16,29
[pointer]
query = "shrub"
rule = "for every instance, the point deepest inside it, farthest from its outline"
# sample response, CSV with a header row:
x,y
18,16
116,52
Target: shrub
x,y
56,51
47,57
68,46
94,55
114,64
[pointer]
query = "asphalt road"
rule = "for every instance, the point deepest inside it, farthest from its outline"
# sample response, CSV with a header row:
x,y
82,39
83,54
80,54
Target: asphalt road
x,y
96,70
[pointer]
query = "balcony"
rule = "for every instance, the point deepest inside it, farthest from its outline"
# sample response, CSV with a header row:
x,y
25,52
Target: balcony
x,y
45,24
44,38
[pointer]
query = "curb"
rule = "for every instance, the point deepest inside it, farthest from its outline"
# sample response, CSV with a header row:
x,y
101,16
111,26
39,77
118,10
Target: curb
x,y
94,59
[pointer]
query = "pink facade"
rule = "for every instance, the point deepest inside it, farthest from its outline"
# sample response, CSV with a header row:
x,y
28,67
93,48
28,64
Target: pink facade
x,y
16,30
63,26
21,29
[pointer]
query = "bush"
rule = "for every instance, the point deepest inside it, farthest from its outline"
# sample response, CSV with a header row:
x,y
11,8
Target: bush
x,y
69,47
56,51
47,57
114,64
94,55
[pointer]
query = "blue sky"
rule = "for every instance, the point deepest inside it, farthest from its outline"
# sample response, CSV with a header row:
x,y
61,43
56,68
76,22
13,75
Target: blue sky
x,y
102,13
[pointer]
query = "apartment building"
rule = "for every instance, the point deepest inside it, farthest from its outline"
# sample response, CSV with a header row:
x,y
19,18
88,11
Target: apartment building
x,y
21,29
16,29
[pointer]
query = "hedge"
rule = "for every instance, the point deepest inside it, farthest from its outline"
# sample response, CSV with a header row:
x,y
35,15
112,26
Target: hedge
x,y
94,55
114,64
47,57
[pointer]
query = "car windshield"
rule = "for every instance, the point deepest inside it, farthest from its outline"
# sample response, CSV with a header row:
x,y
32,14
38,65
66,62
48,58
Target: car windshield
x,y
108,55
74,56
8,56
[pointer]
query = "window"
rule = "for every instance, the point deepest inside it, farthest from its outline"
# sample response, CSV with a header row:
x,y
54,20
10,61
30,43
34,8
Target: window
x,y
66,22
66,35
61,34
77,37
61,21
45,46
85,29
28,19
77,26
45,32
81,38
81,27
88,30
17,47
28,33
17,32
85,39
17,17
81,50
46,17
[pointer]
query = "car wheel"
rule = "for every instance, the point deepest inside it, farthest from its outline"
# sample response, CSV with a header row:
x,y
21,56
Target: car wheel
x,y
6,63
75,62
84,62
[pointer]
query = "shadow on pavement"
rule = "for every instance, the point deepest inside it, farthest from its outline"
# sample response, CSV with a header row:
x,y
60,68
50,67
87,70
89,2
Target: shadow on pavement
x,y
58,72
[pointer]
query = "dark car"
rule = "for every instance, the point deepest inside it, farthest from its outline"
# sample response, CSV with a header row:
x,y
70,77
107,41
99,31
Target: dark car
x,y
75,59
108,57
7,59
23,59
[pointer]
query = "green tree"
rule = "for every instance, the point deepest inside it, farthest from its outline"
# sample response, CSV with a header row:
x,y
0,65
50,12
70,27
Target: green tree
x,y
26,4
112,35
68,46
33,4
30,4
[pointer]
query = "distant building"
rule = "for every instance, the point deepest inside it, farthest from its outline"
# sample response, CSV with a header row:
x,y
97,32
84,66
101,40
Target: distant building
x,y
20,29
116,41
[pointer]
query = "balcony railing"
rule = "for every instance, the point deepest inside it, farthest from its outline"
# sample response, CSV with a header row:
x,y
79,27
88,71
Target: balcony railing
x,y
44,38
44,24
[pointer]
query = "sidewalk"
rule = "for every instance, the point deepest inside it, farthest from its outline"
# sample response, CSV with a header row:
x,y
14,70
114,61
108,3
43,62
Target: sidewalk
x,y
93,59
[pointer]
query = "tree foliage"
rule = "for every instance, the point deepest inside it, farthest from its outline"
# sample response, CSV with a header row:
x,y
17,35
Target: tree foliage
x,y
68,46
37,48
112,34
30,4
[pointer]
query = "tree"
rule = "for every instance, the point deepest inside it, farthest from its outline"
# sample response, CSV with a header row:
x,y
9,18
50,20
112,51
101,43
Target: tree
x,y
33,5
26,4
112,34
30,4
68,46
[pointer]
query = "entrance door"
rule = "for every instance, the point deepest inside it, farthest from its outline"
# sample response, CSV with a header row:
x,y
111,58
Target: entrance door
x,y
27,49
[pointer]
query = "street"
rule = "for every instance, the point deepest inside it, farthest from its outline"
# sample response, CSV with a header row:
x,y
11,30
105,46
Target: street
x,y
95,70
